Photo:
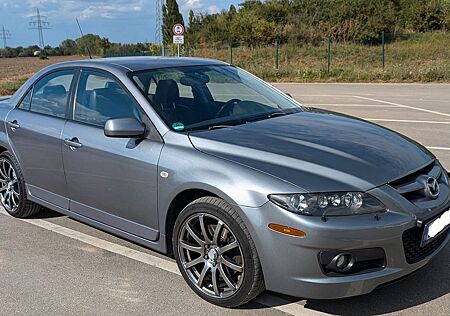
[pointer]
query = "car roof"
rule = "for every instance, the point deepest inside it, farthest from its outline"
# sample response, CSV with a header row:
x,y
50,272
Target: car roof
x,y
142,63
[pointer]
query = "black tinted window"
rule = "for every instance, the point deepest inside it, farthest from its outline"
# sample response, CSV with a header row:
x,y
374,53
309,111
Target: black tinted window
x,y
51,93
26,101
100,98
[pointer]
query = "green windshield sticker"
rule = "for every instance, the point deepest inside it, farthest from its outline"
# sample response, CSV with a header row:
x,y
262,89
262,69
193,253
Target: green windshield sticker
x,y
178,126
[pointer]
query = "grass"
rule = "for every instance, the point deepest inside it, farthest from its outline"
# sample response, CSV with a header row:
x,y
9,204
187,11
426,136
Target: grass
x,y
421,57
15,71
417,58
9,86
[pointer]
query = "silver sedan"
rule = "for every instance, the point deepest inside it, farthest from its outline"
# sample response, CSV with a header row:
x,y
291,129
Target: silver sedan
x,y
245,187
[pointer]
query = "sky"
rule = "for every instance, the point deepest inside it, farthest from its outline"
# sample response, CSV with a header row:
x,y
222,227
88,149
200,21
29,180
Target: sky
x,y
125,21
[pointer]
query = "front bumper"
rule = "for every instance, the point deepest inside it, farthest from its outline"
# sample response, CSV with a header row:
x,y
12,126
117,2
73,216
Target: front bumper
x,y
291,266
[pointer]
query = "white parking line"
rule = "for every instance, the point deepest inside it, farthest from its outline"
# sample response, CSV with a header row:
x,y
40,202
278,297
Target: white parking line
x,y
163,264
407,121
323,95
351,105
439,148
403,106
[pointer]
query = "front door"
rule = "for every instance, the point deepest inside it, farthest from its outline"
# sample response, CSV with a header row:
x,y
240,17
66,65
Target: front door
x,y
35,128
111,180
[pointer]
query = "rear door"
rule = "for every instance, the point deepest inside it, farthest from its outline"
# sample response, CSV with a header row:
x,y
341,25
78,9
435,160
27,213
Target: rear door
x,y
35,128
111,180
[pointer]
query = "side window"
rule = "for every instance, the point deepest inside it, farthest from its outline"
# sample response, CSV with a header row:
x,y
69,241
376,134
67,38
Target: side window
x,y
51,93
100,98
26,101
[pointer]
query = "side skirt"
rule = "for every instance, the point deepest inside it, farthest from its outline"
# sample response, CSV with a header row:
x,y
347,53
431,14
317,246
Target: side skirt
x,y
159,246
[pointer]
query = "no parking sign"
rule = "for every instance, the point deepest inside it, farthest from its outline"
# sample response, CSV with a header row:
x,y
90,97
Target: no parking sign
x,y
178,29
178,35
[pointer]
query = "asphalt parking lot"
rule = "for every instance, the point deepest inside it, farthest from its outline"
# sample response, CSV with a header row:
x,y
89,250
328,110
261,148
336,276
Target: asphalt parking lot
x,y
53,265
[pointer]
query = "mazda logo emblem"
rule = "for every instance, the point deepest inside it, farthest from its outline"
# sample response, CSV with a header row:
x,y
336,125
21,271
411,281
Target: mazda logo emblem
x,y
432,188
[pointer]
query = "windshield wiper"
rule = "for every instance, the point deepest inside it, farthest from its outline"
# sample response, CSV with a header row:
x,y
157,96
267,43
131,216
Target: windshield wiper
x,y
206,128
218,127
275,114
237,122
268,116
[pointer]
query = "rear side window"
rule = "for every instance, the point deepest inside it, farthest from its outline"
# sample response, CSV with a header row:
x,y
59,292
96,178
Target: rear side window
x,y
51,93
100,98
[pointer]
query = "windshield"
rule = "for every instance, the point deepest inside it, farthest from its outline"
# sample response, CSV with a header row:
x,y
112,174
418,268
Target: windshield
x,y
206,97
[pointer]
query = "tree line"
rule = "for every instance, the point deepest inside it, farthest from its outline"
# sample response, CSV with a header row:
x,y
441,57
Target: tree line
x,y
85,45
257,22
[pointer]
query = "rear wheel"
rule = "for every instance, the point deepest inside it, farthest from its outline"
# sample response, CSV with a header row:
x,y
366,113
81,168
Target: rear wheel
x,y
12,189
216,254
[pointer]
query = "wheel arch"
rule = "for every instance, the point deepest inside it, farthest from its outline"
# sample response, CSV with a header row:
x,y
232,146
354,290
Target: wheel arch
x,y
3,149
7,145
178,203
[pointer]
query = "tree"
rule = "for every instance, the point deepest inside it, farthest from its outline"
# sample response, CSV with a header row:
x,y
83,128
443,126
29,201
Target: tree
x,y
232,11
89,43
426,15
105,43
68,47
194,28
171,16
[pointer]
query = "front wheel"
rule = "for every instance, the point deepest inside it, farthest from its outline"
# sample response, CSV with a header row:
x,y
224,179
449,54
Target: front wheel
x,y
216,254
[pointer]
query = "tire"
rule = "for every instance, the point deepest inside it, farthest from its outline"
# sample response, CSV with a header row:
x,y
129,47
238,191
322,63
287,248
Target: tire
x,y
228,253
13,195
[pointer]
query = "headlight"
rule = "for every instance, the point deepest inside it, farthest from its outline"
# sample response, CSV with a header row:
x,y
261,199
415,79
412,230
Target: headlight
x,y
329,204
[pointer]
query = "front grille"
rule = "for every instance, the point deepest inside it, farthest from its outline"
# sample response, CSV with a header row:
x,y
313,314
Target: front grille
x,y
412,239
412,187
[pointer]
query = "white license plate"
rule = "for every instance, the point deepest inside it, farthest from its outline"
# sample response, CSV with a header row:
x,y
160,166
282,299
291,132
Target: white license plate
x,y
436,227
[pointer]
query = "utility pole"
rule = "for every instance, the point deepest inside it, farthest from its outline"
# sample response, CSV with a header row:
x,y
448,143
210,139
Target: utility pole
x,y
159,23
5,35
39,22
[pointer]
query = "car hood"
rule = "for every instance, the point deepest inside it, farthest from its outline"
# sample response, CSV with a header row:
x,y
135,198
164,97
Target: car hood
x,y
317,151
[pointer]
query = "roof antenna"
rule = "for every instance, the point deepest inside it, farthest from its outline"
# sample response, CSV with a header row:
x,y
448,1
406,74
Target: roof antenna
x,y
81,31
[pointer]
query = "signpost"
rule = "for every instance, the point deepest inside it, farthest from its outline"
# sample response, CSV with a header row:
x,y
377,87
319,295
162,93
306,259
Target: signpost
x,y
178,35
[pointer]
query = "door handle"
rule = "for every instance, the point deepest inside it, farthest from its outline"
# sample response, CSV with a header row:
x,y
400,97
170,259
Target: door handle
x,y
73,143
14,125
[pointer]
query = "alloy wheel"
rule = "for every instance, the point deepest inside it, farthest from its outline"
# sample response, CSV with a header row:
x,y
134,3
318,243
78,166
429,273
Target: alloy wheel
x,y
210,255
9,186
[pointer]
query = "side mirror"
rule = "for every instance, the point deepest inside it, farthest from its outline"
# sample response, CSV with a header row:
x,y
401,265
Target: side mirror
x,y
289,95
124,128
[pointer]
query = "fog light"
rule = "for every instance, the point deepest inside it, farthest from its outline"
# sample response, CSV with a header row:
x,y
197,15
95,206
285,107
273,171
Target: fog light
x,y
342,262
347,262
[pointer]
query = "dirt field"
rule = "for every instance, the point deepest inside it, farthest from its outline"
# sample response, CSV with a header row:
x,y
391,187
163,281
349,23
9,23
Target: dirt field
x,y
14,71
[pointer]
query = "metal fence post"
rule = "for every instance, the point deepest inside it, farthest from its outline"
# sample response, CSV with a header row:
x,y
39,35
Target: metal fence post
x,y
382,49
276,54
231,52
329,54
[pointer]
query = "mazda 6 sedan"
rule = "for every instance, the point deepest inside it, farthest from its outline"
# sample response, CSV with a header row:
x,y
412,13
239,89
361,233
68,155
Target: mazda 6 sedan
x,y
246,188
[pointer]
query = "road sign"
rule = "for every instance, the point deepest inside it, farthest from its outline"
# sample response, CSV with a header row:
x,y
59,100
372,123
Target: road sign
x,y
178,39
178,29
